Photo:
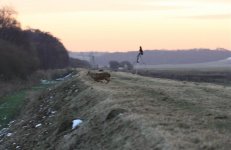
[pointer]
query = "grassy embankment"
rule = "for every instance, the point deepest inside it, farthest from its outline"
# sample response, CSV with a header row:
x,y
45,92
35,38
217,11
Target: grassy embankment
x,y
130,112
11,104
13,97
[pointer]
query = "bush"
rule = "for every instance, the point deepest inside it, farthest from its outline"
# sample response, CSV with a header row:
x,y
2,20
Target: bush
x,y
114,65
15,62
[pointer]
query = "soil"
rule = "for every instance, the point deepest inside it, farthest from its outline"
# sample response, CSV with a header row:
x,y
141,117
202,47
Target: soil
x,y
129,112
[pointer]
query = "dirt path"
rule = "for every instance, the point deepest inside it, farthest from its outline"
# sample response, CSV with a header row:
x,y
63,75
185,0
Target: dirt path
x,y
131,112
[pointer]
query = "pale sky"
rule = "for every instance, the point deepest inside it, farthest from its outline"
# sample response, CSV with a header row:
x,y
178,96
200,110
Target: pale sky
x,y
122,25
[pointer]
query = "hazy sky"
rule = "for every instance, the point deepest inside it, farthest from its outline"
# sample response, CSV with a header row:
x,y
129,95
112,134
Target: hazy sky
x,y
121,25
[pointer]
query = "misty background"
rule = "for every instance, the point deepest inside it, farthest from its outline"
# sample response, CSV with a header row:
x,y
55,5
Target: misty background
x,y
156,57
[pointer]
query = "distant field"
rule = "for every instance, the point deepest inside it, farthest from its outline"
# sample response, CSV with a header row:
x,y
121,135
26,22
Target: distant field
x,y
219,75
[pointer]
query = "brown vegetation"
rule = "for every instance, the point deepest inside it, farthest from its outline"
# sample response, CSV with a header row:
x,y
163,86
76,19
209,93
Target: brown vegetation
x,y
132,112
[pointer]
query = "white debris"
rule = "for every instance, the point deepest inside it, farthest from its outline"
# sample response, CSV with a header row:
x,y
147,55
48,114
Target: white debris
x,y
12,122
59,79
9,134
46,82
17,147
3,131
63,78
38,125
76,123
53,112
24,127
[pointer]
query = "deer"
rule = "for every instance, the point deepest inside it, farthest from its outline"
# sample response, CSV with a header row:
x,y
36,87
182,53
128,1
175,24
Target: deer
x,y
99,76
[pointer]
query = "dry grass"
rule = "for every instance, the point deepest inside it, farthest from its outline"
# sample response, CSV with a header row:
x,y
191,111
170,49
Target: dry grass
x,y
130,112
8,87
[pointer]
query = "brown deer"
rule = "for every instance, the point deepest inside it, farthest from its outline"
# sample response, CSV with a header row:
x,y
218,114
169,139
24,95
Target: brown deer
x,y
99,76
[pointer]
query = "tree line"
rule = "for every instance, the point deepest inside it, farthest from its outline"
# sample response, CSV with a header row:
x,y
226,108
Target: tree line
x,y
24,51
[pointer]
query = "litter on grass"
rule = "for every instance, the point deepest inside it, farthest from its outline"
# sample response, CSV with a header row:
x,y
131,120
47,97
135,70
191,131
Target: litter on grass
x,y
65,77
9,134
76,123
17,147
38,125
47,82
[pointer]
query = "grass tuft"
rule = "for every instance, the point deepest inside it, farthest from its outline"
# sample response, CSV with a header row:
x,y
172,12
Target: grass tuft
x,y
11,106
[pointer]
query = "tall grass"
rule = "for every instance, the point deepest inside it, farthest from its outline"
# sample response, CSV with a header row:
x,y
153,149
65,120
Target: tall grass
x,y
13,93
7,87
10,106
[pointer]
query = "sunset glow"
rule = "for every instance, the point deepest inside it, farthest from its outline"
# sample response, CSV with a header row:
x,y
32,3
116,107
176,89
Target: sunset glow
x,y
123,25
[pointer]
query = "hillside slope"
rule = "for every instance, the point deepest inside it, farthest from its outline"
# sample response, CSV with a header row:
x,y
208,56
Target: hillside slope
x,y
130,112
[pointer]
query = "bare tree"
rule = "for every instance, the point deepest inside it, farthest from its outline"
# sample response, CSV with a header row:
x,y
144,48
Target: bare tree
x,y
7,18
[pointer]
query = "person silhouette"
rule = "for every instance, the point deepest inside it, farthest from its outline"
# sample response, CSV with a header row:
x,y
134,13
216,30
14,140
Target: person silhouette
x,y
139,55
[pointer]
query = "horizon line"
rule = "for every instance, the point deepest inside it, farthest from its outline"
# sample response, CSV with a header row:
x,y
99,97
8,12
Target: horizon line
x,y
119,51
